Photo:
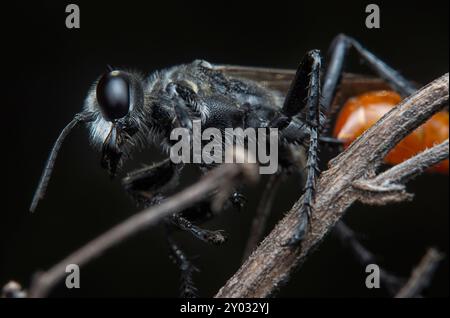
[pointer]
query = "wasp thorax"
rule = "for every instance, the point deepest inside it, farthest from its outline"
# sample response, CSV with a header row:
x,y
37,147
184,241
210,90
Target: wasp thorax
x,y
113,95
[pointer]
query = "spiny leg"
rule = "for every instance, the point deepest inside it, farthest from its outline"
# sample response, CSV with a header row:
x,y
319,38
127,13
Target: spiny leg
x,y
304,95
306,87
297,97
187,269
212,237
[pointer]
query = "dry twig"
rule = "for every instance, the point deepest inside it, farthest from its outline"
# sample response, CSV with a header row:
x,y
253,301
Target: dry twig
x,y
391,282
262,214
422,275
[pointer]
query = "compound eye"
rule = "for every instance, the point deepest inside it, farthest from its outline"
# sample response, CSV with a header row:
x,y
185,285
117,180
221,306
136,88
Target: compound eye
x,y
113,95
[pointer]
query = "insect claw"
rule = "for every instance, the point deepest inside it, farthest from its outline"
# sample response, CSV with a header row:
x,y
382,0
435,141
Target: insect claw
x,y
301,230
215,237
238,200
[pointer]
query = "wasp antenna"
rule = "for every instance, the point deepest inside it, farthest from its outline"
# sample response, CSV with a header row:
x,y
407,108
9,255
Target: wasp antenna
x,y
45,177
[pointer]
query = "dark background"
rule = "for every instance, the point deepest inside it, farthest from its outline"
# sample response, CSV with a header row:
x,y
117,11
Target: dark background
x,y
47,70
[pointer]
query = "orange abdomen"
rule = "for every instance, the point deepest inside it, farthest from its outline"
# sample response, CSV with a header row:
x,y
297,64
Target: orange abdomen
x,y
361,112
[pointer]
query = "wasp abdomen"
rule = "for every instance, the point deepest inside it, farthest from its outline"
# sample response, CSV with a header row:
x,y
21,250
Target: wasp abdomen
x,y
361,112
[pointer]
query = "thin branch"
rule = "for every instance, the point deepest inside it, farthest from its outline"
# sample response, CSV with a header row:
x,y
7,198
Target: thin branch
x,y
262,214
422,275
391,282
414,166
225,174
270,265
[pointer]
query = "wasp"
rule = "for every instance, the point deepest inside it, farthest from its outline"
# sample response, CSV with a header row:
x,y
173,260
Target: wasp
x,y
125,110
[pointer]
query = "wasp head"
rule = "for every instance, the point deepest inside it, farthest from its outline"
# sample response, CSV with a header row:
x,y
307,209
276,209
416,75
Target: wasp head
x,y
117,100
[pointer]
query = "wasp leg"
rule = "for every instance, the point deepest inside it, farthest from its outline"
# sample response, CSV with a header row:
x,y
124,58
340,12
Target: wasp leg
x,y
187,269
147,185
307,81
303,94
302,86
212,237
180,107
350,240
338,55
182,114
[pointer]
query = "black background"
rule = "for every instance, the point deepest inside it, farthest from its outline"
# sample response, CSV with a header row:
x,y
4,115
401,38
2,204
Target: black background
x,y
47,70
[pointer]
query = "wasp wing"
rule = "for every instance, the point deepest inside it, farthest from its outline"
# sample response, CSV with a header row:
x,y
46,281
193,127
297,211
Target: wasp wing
x,y
280,79
272,78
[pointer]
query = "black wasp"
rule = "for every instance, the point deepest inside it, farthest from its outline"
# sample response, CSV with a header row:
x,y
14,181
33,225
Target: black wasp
x,y
124,111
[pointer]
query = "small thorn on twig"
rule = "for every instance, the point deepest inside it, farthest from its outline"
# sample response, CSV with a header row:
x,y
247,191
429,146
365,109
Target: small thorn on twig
x,y
372,193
